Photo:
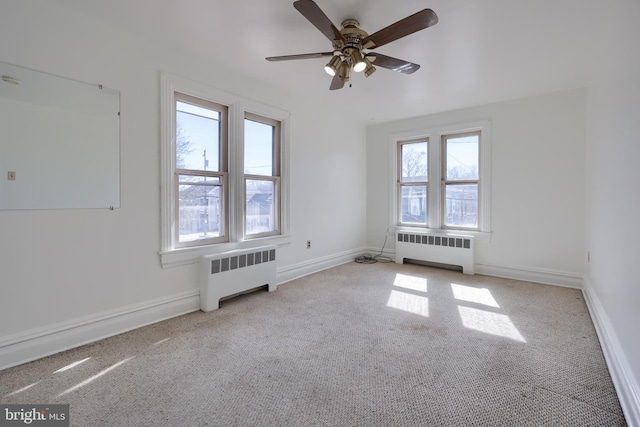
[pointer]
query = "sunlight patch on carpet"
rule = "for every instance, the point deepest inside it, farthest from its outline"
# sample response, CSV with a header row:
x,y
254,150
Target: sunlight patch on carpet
x,y
20,390
471,294
95,377
410,282
489,323
72,365
415,304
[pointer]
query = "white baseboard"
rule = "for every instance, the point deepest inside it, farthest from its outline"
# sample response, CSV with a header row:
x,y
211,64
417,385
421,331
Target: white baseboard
x,y
296,271
626,386
34,344
547,277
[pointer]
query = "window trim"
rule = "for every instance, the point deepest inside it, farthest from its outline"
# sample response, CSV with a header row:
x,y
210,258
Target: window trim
x,y
434,207
170,254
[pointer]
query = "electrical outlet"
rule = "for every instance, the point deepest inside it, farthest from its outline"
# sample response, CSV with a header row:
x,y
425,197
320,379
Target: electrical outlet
x,y
11,175
308,244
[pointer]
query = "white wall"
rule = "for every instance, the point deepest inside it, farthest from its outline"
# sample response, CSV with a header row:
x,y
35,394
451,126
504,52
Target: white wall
x,y
64,268
613,198
538,188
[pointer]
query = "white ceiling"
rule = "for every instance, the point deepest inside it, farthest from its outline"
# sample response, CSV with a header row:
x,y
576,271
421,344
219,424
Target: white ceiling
x,y
479,52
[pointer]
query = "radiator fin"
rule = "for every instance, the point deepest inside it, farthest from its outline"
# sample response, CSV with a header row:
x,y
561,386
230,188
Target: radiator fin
x,y
241,261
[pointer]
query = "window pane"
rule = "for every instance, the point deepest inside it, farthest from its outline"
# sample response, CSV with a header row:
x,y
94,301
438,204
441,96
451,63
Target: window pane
x,y
258,148
462,158
260,212
413,204
197,137
199,208
461,205
414,162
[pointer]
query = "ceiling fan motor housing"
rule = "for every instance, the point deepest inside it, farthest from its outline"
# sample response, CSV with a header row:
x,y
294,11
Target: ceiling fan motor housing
x,y
353,36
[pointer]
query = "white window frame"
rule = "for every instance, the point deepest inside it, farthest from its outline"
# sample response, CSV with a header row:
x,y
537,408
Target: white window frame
x,y
435,194
444,182
401,184
220,173
274,177
171,254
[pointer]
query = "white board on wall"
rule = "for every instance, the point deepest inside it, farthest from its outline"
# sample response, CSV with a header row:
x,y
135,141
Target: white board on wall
x,y
59,142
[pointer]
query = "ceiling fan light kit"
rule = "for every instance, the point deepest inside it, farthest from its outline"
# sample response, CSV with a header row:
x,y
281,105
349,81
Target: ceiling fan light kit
x,y
350,42
358,61
370,68
332,67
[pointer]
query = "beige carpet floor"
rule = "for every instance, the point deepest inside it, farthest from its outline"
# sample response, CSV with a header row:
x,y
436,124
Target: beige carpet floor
x,y
357,345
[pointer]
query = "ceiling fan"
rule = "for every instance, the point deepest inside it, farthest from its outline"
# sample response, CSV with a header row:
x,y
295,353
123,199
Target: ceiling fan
x,y
350,43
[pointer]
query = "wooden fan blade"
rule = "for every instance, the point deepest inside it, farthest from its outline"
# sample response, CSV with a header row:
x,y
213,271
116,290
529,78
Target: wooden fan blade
x,y
301,56
310,10
393,64
409,25
336,83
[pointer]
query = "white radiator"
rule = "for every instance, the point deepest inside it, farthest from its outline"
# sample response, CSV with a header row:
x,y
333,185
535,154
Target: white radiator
x,y
438,248
234,272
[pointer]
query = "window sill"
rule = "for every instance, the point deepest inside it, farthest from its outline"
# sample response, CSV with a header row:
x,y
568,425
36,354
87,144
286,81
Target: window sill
x,y
184,256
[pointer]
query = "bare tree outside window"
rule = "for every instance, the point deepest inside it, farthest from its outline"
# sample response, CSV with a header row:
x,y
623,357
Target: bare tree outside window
x,y
183,146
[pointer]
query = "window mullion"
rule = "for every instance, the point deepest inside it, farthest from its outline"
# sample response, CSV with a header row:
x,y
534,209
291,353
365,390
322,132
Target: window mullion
x,y
435,192
236,166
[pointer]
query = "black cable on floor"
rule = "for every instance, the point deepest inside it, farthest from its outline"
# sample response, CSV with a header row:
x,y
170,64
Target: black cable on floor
x,y
372,259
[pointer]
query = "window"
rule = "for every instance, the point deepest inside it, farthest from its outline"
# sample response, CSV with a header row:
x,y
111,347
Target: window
x,y
413,181
224,172
458,158
200,171
460,180
261,176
